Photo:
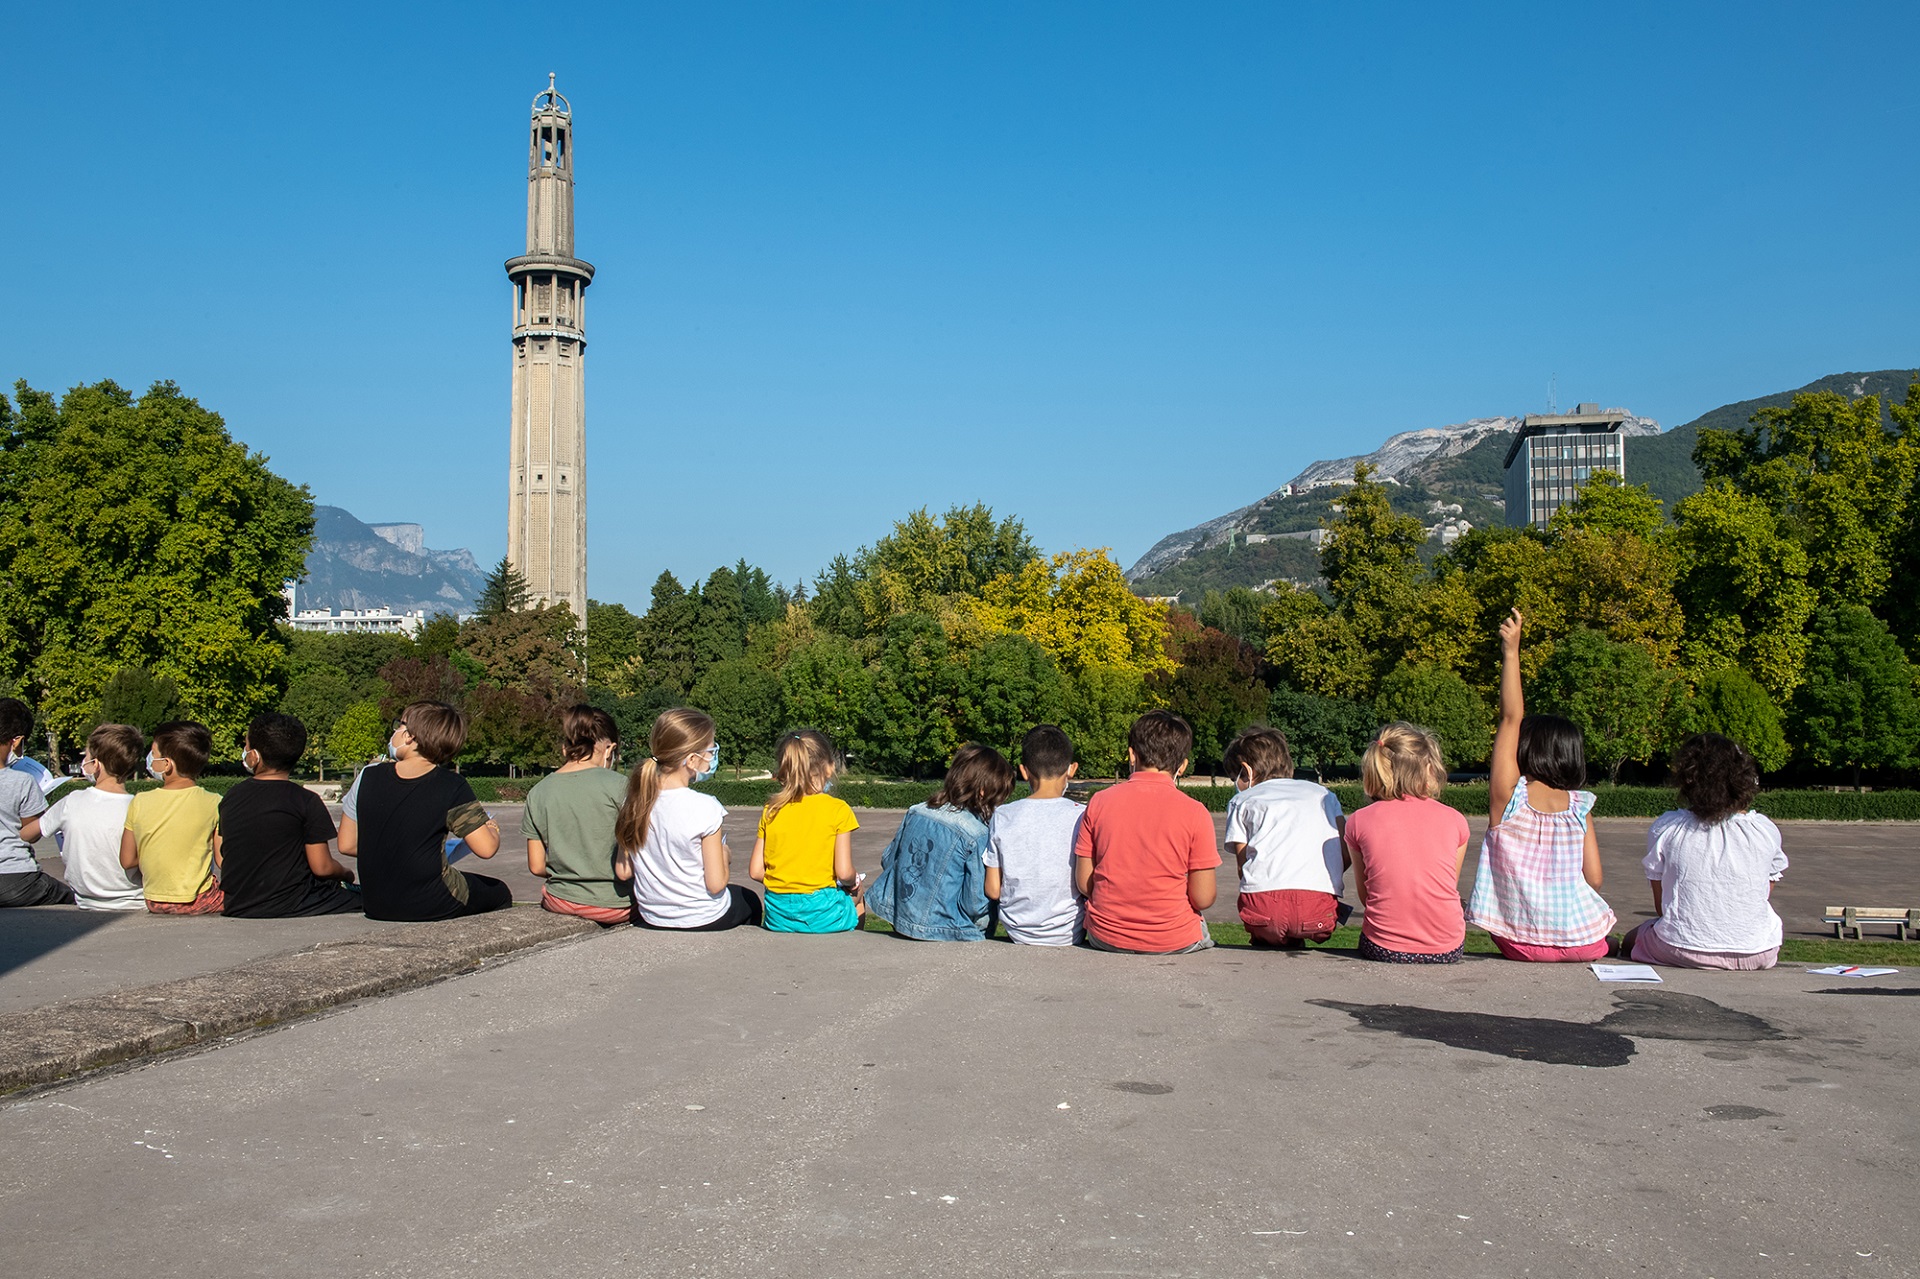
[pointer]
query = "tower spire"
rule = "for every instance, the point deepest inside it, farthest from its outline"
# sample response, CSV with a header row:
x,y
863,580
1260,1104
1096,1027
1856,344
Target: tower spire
x,y
547,459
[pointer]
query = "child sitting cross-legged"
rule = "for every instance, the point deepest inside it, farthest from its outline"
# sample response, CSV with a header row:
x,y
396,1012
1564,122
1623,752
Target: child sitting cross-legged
x,y
1030,842
668,834
1285,834
173,834
274,833
1539,868
1145,859
1712,866
931,885
1407,849
804,851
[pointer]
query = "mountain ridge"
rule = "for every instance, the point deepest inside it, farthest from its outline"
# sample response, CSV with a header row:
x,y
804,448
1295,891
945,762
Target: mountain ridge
x,y
356,565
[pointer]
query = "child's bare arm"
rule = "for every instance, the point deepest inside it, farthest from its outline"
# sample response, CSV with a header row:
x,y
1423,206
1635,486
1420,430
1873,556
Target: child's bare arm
x,y
1202,887
213,842
30,830
1513,709
1359,864
1240,854
715,862
992,884
757,864
129,851
843,857
1082,875
537,858
1590,857
349,840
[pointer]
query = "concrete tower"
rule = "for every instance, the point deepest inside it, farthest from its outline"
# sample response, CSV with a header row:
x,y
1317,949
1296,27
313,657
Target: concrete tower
x,y
547,465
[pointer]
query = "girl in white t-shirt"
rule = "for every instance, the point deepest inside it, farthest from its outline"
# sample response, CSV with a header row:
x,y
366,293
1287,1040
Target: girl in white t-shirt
x,y
88,823
670,845
1285,834
1712,866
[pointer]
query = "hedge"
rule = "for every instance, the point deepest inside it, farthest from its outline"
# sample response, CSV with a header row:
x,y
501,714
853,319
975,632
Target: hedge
x,y
1471,799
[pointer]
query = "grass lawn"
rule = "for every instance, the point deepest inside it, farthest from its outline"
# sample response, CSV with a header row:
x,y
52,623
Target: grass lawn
x,y
1795,950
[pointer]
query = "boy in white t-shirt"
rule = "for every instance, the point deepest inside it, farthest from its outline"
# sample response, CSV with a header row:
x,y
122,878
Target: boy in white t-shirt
x,y
1029,855
88,822
1286,835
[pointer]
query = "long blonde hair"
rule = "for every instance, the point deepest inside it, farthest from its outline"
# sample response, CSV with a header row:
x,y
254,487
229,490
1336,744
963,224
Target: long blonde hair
x,y
804,762
676,734
1403,760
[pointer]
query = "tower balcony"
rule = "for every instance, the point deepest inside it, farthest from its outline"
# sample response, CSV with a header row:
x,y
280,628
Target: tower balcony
x,y
549,264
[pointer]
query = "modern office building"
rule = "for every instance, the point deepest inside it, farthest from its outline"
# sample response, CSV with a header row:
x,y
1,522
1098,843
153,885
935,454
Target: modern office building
x,y
1554,454
547,458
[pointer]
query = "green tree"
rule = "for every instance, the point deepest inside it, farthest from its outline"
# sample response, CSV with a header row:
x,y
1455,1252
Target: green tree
x,y
1439,700
924,560
519,727
825,685
1322,732
744,700
1836,479
1731,703
1007,685
420,679
909,719
1102,703
138,533
1856,707
1619,697
505,591
1742,587
719,622
613,640
138,697
1237,611
360,734
318,697
438,636
665,657
1371,560
1314,648
1215,687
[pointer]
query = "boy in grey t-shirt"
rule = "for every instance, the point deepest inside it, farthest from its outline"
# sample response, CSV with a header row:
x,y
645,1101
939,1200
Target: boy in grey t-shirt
x,y
1029,857
22,882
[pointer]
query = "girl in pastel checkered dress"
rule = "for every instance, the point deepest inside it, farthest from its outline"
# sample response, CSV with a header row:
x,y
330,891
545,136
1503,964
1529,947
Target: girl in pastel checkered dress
x,y
1536,888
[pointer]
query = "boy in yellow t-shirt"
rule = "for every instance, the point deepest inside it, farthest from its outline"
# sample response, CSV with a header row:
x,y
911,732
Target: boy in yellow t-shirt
x,y
173,834
804,853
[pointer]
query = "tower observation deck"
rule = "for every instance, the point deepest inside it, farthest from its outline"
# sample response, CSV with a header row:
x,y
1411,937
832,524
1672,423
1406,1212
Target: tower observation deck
x,y
547,460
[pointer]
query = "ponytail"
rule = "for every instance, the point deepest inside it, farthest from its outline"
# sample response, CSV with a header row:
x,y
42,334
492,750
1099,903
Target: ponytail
x,y
803,763
676,734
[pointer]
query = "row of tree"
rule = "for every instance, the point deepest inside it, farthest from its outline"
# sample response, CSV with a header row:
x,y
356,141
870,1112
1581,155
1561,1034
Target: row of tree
x,y
142,552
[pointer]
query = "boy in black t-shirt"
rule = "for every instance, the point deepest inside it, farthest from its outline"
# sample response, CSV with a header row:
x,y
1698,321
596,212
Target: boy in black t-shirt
x,y
406,810
275,834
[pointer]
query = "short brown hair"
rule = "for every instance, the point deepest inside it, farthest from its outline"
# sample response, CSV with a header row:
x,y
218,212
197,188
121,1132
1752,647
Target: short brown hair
x,y
187,744
1263,751
1404,759
1160,739
438,729
117,748
584,727
979,780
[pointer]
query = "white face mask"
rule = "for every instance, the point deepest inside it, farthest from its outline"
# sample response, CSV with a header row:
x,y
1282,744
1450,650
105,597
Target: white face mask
x,y
244,752
153,769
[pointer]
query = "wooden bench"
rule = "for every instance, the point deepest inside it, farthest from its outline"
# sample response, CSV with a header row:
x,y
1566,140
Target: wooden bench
x,y
1905,923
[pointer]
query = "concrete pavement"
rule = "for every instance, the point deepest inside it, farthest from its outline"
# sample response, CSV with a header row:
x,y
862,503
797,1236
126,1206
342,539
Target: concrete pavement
x,y
751,1103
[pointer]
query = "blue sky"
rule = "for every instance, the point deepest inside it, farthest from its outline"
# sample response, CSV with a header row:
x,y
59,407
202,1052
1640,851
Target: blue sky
x,y
1116,268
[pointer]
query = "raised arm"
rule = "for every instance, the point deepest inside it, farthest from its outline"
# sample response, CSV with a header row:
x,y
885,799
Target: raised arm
x,y
1513,709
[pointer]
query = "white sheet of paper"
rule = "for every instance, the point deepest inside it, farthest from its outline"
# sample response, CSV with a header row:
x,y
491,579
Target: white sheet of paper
x,y
1852,970
1625,972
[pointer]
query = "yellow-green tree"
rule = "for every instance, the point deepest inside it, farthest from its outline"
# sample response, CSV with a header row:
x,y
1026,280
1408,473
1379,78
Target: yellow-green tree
x,y
1078,607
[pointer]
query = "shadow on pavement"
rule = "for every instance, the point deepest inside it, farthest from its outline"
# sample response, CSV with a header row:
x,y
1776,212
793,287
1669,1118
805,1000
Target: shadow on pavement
x,y
34,931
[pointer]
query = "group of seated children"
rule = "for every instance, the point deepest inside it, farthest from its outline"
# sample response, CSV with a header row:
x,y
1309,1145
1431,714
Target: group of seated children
x,y
1131,871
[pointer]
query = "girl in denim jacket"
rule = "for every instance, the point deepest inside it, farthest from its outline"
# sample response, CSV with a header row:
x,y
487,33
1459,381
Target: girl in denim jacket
x,y
932,876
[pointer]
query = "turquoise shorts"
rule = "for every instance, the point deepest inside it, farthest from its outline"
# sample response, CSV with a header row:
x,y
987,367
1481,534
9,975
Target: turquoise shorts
x,y
824,910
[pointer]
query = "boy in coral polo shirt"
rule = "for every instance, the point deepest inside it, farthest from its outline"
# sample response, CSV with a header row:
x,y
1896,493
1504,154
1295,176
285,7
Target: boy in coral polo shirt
x,y
1145,858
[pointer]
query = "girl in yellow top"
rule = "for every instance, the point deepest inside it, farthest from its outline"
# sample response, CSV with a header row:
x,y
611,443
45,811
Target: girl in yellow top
x,y
804,853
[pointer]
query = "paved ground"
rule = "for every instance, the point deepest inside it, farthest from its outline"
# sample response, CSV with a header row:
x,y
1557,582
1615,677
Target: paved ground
x,y
65,953
858,1105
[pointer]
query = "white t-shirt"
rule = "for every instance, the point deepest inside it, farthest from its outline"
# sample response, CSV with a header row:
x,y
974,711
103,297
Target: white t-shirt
x,y
669,871
88,825
1031,841
1291,829
1714,881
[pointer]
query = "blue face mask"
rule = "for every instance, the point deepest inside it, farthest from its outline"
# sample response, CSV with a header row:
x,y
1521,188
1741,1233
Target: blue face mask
x,y
153,769
713,764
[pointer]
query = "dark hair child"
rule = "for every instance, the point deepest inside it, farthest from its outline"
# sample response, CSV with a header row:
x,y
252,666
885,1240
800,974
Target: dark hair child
x,y
932,876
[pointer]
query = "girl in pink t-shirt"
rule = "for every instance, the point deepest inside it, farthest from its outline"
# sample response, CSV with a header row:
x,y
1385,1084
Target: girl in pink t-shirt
x,y
1407,848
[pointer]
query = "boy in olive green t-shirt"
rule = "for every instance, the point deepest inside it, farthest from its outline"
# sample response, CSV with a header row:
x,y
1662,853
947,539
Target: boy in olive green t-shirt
x,y
173,834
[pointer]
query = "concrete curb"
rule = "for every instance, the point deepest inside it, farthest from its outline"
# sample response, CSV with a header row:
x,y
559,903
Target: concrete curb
x,y
57,1041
